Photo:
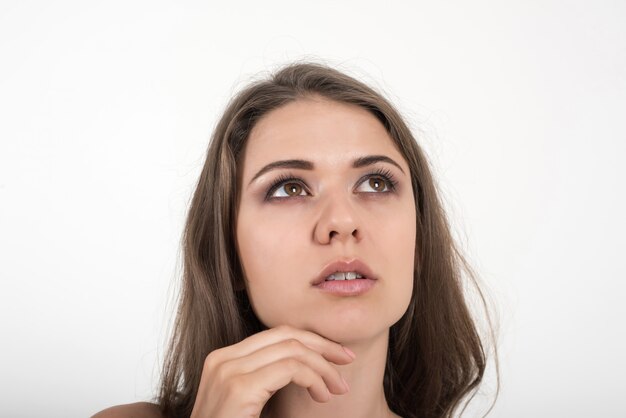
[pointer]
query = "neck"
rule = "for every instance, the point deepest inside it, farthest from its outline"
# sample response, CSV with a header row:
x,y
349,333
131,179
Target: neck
x,y
364,375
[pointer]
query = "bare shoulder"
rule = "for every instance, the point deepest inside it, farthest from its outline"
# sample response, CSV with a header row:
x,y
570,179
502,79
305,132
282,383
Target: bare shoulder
x,y
131,410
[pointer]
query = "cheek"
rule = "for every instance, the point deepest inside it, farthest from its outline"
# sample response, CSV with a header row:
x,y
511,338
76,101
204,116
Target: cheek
x,y
396,237
401,242
265,246
270,260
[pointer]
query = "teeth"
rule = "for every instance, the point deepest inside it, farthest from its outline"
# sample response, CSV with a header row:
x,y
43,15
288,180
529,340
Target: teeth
x,y
351,275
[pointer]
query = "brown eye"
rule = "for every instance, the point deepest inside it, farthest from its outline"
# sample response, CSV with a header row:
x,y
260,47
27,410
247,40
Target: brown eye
x,y
285,188
380,182
377,184
293,189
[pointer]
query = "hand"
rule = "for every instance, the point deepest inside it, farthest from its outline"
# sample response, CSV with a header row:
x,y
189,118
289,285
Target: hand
x,y
238,380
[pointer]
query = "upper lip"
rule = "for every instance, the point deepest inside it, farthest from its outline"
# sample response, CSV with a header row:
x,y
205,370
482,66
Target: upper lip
x,y
354,265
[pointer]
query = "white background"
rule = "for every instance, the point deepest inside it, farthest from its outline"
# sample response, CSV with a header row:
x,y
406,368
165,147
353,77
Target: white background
x,y
105,113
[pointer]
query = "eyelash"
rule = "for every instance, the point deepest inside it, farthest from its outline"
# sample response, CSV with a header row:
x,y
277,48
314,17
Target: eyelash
x,y
385,174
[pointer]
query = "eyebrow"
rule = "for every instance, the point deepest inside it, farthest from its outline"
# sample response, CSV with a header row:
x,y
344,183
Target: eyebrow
x,y
308,165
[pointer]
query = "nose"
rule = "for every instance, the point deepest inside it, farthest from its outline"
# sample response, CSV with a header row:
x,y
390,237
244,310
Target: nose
x,y
337,221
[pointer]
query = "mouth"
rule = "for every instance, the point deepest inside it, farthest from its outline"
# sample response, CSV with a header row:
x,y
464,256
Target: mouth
x,y
344,273
353,287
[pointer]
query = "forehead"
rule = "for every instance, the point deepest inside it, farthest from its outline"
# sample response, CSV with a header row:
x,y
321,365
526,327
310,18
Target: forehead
x,y
326,132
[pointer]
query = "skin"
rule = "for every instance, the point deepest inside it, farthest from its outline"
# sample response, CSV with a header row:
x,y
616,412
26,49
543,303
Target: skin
x,y
333,213
134,410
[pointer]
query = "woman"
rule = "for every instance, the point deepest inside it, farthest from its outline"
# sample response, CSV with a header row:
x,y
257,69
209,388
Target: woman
x,y
320,277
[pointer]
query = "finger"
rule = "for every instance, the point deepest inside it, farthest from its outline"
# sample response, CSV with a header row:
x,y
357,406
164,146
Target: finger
x,y
330,350
279,374
290,348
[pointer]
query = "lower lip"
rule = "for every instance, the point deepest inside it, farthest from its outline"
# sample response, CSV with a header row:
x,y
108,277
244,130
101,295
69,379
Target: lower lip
x,y
346,287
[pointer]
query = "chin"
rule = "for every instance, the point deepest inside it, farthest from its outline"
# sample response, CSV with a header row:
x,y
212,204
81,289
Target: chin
x,y
350,328
350,322
350,335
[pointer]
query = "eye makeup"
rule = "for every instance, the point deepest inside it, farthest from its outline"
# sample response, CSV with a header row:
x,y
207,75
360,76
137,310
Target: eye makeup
x,y
279,181
385,174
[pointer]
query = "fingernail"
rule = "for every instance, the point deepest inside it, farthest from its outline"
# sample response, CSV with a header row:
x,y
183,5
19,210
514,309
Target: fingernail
x,y
345,383
350,353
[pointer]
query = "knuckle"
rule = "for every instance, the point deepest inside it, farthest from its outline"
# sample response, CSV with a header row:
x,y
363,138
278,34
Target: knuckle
x,y
283,329
222,373
211,360
291,364
293,344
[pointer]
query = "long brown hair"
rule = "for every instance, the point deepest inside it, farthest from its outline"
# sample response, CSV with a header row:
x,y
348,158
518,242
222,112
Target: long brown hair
x,y
436,357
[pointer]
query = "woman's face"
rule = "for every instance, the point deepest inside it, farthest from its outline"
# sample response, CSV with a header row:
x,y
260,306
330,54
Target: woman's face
x,y
326,211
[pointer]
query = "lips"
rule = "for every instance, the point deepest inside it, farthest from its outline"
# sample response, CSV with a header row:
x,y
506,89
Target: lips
x,y
344,266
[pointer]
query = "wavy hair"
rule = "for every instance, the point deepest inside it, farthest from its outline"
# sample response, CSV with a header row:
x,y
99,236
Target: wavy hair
x,y
436,356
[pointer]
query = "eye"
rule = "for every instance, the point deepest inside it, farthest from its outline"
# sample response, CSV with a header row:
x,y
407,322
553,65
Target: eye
x,y
289,186
377,183
291,189
381,181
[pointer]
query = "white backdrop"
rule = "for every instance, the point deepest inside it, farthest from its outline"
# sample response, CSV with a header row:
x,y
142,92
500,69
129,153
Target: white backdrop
x,y
105,113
